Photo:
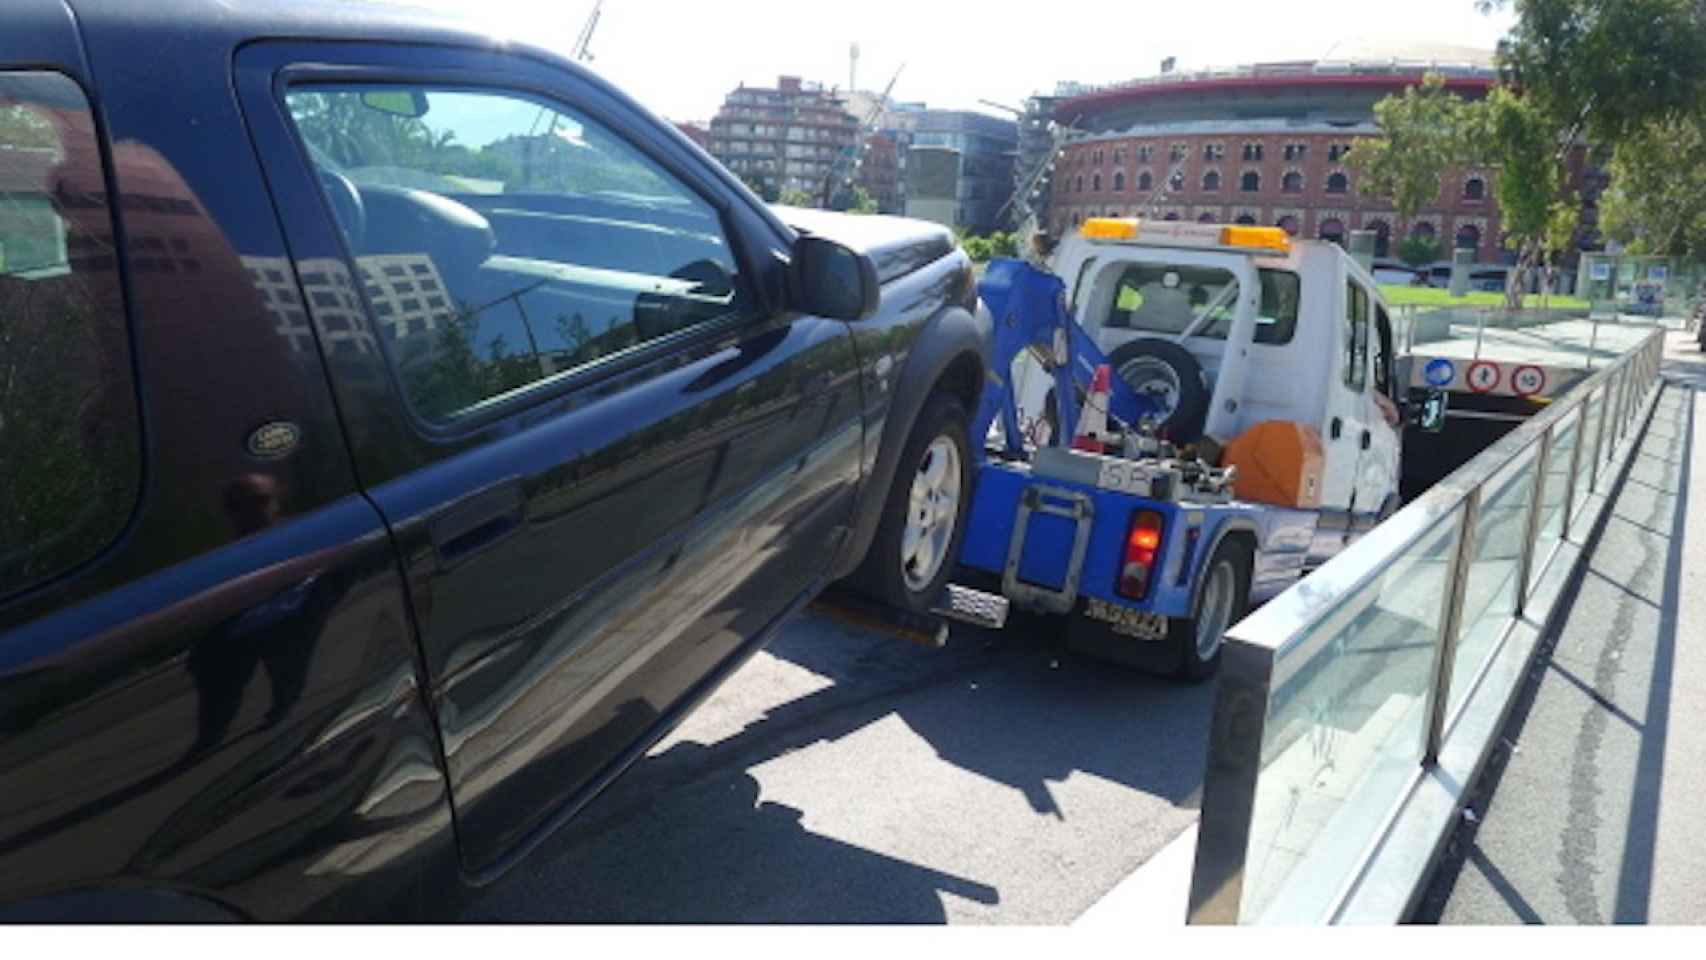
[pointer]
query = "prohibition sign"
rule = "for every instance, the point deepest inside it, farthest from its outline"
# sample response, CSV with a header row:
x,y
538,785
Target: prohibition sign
x,y
1482,376
1526,381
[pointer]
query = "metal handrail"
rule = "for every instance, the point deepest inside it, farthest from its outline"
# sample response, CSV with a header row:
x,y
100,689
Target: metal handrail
x,y
1284,636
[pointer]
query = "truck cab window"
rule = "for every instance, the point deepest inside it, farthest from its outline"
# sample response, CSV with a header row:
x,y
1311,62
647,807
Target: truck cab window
x,y
1356,337
503,239
1383,376
1166,298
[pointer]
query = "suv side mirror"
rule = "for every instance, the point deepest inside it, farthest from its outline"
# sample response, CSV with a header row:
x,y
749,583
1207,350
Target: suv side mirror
x,y
1426,410
831,280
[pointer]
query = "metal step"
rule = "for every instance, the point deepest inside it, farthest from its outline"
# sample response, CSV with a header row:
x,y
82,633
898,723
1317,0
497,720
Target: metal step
x,y
975,607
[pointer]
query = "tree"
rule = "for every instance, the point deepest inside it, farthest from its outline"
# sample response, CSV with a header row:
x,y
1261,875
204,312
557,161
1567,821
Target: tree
x,y
797,198
1424,131
1419,251
854,200
764,187
1656,203
1604,69
1588,71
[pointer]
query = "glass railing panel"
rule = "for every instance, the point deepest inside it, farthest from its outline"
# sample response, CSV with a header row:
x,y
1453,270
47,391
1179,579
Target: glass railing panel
x,y
1565,435
1593,411
1489,586
1344,730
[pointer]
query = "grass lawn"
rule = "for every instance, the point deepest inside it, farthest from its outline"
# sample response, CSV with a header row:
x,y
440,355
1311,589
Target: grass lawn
x,y
1400,295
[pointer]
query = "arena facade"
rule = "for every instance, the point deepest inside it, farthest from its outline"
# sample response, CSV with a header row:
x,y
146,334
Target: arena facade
x,y
1265,144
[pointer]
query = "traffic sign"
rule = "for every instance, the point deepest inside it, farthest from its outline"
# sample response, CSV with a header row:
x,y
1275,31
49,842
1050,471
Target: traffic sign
x,y
1483,376
1439,372
1527,381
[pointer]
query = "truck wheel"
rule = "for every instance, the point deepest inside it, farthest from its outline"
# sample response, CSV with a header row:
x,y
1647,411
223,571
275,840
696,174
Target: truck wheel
x,y
1224,597
1167,373
924,517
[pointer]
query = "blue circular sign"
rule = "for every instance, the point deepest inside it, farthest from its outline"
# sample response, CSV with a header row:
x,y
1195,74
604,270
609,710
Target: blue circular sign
x,y
1439,372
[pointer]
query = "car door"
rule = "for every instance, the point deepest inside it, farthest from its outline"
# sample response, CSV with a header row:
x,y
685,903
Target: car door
x,y
608,468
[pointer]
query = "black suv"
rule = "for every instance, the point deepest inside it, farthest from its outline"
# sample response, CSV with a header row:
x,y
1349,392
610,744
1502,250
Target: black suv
x,y
399,432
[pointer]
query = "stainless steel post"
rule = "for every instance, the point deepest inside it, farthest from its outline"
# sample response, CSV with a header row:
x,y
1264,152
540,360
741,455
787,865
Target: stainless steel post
x,y
1235,736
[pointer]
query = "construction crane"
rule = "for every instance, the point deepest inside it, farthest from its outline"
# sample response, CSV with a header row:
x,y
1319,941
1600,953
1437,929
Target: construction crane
x,y
583,44
842,168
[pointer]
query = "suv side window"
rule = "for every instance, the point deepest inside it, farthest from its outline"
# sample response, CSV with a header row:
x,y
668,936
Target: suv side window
x,y
503,239
1356,336
70,442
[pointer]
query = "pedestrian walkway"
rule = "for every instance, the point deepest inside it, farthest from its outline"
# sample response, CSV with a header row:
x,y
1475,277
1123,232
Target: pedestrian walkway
x,y
1589,809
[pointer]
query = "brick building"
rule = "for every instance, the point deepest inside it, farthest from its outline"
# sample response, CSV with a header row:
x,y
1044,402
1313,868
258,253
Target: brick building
x,y
880,172
1266,144
785,138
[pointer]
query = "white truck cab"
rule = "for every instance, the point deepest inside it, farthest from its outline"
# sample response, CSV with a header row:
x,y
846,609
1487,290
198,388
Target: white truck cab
x,y
1231,326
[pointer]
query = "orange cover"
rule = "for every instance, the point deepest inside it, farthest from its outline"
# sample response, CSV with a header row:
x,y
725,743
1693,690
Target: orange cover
x,y
1279,463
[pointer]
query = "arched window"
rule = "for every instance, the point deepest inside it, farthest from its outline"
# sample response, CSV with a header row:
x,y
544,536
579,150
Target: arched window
x,y
1246,220
1119,181
1075,218
1146,181
1469,237
1292,182
1334,230
1205,217
1078,184
1337,182
1211,181
1251,182
1176,182
1474,188
1382,237
1171,215
1423,229
1288,224
1096,183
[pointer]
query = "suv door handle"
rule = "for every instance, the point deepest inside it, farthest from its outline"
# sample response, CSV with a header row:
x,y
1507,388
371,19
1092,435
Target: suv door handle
x,y
1338,428
1367,439
477,522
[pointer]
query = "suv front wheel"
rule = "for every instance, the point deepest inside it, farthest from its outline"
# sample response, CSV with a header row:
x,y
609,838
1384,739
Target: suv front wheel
x,y
924,517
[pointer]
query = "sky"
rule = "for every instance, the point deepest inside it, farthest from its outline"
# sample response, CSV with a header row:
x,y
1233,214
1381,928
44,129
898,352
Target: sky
x,y
681,57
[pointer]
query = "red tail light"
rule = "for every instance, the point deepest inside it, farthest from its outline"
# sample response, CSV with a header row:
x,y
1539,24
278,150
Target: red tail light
x,y
1142,545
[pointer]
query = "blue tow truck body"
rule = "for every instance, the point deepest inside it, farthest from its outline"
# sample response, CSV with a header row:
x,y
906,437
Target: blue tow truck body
x,y
1055,523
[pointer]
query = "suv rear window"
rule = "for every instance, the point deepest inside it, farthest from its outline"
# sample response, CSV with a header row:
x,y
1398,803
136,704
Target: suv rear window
x,y
1166,299
69,440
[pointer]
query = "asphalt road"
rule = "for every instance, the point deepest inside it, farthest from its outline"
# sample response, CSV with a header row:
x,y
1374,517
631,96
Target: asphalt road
x,y
843,776
1589,809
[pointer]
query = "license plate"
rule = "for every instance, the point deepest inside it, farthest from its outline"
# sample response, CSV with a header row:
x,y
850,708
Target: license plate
x,y
1126,622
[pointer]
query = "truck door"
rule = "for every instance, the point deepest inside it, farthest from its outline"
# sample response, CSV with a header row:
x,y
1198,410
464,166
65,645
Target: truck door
x,y
1346,429
606,468
1377,475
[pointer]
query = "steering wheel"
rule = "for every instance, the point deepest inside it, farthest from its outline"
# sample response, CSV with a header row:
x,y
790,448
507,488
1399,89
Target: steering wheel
x,y
347,207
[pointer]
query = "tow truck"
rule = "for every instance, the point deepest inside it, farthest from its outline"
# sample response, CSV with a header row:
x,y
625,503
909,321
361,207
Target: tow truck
x,y
1206,414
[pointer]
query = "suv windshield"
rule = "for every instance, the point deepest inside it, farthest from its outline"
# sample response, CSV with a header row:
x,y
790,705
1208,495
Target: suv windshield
x,y
1168,298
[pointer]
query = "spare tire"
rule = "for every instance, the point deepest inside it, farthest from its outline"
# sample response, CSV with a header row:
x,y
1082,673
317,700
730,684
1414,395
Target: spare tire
x,y
1168,374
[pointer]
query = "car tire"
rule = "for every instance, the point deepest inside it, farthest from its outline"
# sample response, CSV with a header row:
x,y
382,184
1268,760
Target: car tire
x,y
1220,602
917,543
1148,363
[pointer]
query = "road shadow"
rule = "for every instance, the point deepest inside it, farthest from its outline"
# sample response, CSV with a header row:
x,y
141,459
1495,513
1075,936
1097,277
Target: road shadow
x,y
1661,464
683,836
